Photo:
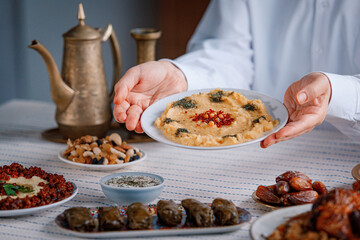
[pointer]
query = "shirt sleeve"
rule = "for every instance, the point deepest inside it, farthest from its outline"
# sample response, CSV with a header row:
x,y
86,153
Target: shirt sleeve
x,y
219,54
344,106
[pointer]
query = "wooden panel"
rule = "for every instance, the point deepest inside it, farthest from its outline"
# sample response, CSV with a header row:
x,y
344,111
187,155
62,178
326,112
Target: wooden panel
x,y
177,19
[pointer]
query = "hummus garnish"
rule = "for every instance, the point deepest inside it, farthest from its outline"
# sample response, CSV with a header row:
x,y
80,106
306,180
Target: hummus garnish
x,y
216,118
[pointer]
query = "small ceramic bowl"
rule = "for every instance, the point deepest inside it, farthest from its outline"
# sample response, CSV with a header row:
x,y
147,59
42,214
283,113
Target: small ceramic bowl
x,y
126,196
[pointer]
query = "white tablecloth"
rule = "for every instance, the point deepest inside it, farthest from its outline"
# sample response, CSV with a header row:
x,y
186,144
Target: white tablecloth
x,y
324,154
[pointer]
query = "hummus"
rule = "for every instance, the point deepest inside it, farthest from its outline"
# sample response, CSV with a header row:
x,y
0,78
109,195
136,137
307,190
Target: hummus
x,y
216,118
32,184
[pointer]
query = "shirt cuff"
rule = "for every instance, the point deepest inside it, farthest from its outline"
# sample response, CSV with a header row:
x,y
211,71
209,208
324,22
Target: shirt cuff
x,y
345,96
188,73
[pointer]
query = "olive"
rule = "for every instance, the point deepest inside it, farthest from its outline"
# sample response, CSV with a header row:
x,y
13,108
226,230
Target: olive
x,y
99,142
101,161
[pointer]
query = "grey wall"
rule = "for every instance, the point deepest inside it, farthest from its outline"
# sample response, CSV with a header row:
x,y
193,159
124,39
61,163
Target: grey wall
x,y
23,73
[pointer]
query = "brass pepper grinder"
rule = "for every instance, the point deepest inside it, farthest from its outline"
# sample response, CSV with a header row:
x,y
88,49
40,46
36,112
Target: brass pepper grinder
x,y
145,43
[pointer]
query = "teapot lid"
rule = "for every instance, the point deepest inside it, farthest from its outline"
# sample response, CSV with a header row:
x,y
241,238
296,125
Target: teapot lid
x,y
82,31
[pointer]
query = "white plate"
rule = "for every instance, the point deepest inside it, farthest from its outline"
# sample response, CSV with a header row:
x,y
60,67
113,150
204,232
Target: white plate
x,y
156,230
274,107
356,172
153,233
257,199
267,223
101,167
26,211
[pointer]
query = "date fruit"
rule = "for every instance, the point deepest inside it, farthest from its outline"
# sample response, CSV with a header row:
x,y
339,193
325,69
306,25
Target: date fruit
x,y
302,197
272,188
282,187
266,195
287,176
300,184
319,187
285,200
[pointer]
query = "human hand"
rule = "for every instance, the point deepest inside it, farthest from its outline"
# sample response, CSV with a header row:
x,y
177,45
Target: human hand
x,y
141,86
307,102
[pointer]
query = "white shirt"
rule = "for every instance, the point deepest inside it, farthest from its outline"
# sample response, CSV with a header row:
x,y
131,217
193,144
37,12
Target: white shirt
x,y
266,45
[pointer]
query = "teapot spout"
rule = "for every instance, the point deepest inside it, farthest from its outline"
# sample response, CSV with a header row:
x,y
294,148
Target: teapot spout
x,y
61,93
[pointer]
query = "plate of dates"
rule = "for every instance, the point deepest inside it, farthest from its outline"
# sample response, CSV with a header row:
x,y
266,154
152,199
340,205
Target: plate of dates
x,y
290,188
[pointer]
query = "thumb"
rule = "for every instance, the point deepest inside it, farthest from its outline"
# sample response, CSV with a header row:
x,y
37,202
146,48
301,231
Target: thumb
x,y
313,89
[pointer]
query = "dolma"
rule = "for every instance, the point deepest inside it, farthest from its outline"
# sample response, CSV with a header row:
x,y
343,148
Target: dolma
x,y
225,212
110,219
80,219
138,216
199,214
169,212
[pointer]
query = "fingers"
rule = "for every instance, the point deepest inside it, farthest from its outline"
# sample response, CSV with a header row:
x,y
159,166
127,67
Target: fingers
x,y
316,84
270,140
291,130
130,115
120,111
133,118
138,128
267,142
125,84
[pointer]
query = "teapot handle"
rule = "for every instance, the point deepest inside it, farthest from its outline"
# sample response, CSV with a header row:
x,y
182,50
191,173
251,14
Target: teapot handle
x,y
116,53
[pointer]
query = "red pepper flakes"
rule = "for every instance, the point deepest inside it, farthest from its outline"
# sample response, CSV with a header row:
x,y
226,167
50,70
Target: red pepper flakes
x,y
212,118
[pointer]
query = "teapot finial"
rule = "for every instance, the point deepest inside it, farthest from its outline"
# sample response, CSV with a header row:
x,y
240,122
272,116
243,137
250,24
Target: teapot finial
x,y
81,14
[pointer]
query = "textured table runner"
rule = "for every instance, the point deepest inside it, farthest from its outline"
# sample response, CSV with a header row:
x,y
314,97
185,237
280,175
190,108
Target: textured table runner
x,y
324,154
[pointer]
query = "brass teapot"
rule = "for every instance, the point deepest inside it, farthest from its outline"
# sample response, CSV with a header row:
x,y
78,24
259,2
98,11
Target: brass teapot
x,y
80,93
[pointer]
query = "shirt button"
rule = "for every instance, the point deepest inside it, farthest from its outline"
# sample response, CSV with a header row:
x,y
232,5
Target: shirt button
x,y
325,4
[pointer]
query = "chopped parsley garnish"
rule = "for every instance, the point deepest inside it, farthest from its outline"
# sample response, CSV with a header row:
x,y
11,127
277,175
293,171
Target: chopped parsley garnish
x,y
257,120
10,189
249,107
168,120
181,130
216,97
184,103
233,135
24,189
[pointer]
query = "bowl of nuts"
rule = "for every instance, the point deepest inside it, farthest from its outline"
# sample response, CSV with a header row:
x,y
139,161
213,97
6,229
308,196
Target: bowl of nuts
x,y
105,154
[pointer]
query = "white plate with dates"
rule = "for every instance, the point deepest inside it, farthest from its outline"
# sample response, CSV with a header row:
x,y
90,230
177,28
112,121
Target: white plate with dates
x,y
101,167
274,107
